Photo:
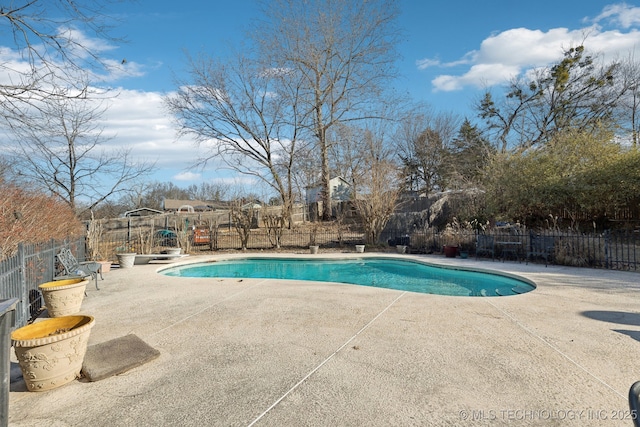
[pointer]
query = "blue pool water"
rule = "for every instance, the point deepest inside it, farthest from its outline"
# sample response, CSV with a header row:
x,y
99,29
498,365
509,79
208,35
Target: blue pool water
x,y
379,272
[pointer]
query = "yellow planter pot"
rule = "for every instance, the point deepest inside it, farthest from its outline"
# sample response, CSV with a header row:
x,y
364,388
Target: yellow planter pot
x,y
51,352
63,297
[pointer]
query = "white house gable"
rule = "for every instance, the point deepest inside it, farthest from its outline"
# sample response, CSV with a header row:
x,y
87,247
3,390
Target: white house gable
x,y
339,191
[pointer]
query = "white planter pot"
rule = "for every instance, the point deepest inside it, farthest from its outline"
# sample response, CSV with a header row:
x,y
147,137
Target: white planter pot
x,y
314,249
173,251
401,249
126,260
360,248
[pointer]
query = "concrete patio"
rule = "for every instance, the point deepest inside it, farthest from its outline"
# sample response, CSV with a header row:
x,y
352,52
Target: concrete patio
x,y
246,352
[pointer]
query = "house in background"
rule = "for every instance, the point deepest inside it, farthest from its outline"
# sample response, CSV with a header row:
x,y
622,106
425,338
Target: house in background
x,y
339,194
339,191
142,212
174,205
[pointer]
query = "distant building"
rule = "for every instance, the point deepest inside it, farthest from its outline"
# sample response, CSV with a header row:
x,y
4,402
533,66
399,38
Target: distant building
x,y
339,191
175,205
142,212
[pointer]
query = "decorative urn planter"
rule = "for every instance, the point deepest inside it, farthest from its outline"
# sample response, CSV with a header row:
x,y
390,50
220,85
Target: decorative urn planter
x,y
126,260
360,248
401,249
106,266
63,297
51,352
450,251
314,249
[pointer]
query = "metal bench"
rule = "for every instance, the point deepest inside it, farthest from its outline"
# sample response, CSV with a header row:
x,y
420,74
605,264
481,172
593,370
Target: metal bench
x,y
540,246
485,244
511,243
74,269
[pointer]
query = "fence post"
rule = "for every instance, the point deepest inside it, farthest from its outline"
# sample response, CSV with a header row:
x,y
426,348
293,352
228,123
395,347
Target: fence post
x,y
24,303
7,321
52,259
607,249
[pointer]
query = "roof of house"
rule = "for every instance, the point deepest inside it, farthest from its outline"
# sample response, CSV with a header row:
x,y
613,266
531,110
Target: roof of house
x,y
319,183
142,211
175,204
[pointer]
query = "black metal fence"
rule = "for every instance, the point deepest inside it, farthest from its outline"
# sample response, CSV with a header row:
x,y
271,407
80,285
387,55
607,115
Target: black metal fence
x,y
611,250
33,265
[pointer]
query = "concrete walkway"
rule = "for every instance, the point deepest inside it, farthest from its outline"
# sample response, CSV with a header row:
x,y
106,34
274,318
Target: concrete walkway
x,y
288,353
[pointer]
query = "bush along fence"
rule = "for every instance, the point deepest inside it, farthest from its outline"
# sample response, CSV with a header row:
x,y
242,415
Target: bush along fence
x,y
33,265
21,274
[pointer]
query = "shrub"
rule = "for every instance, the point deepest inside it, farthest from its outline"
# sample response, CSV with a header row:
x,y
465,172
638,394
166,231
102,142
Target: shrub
x,y
33,217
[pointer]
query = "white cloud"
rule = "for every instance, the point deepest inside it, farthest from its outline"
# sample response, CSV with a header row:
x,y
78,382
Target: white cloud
x,y
139,121
520,47
426,63
620,14
510,53
119,69
14,64
187,176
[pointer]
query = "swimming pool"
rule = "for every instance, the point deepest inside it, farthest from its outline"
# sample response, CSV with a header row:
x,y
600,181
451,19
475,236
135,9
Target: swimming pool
x,y
389,273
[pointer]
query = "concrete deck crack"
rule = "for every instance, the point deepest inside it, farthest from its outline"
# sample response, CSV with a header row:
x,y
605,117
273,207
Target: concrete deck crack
x,y
206,308
314,370
557,350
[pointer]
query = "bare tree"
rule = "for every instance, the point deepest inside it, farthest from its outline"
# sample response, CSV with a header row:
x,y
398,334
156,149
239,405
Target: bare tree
x,y
346,151
630,102
425,142
306,166
275,227
577,92
378,184
52,48
244,214
58,148
248,115
208,191
342,52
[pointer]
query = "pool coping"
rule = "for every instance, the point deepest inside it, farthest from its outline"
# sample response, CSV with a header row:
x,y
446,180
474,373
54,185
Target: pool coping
x,y
357,256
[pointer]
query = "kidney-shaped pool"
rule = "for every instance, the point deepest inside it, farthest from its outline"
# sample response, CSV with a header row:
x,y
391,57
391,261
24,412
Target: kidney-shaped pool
x,y
393,273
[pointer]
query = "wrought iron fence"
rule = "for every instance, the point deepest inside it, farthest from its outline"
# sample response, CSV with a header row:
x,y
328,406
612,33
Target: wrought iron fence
x,y
33,265
611,250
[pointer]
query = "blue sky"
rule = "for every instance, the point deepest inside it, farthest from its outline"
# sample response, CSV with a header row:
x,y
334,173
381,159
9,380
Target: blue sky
x,y
450,50
159,33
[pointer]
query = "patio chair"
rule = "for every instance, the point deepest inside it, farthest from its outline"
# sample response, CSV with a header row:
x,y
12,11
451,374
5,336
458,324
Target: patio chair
x,y
510,243
540,246
73,268
485,244
634,403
